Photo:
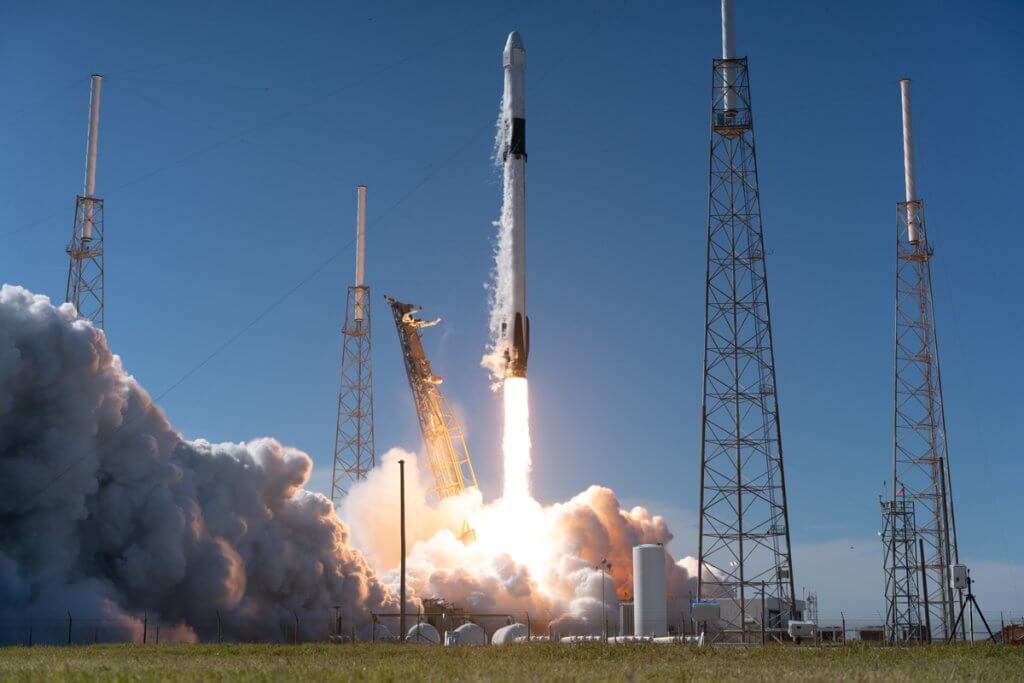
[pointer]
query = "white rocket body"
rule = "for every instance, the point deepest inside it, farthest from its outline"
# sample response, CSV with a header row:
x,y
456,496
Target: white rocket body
x,y
516,330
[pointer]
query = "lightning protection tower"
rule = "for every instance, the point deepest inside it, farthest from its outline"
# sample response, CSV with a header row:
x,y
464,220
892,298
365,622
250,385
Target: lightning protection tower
x,y
744,551
85,250
920,462
354,453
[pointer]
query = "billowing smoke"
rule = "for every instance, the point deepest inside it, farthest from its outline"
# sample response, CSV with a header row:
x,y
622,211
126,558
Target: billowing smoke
x,y
107,512
527,557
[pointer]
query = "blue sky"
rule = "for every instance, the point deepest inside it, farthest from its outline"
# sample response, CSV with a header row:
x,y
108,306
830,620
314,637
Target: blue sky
x,y
233,135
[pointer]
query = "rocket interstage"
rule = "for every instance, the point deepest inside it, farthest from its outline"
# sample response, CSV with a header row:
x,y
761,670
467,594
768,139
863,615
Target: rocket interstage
x,y
515,329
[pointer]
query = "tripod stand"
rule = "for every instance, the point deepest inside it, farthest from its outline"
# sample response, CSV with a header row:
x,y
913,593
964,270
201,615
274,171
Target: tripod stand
x,y
972,604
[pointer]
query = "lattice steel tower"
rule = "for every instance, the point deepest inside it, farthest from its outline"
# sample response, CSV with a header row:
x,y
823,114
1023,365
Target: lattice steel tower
x,y
85,250
354,453
900,552
744,527
920,463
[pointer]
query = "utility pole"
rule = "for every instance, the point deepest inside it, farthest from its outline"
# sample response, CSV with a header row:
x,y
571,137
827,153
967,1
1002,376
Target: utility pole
x,y
401,512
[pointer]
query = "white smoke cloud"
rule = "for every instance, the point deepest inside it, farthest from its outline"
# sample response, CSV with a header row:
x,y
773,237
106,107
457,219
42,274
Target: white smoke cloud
x,y
107,512
532,558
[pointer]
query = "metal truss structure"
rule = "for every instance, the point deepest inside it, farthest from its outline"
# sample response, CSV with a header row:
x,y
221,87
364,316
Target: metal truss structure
x,y
354,453
443,439
744,528
899,549
85,264
920,463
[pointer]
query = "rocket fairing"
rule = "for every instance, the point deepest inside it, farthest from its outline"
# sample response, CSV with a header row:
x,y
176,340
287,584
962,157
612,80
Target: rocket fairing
x,y
516,329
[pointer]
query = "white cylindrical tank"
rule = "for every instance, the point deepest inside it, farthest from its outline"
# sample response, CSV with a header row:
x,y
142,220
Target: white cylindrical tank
x,y
650,592
424,634
509,634
469,634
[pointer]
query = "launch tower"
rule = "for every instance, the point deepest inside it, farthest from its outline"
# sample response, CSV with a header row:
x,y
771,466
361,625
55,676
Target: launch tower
x,y
744,553
354,453
920,461
85,250
443,439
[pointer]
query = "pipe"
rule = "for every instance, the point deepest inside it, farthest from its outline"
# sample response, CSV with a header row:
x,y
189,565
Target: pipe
x,y
360,252
908,163
924,592
91,150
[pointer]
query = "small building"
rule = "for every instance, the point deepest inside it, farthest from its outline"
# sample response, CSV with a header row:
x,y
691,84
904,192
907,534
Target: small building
x,y
1013,634
871,634
831,634
774,617
443,615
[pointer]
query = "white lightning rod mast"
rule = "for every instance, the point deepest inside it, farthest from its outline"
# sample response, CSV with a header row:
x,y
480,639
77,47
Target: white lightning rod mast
x,y
728,34
360,251
728,52
90,153
908,163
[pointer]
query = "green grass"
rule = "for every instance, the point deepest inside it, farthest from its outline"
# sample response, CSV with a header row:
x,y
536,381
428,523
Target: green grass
x,y
537,661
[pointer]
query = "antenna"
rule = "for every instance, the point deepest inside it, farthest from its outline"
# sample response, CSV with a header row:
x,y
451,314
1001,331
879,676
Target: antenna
x,y
85,285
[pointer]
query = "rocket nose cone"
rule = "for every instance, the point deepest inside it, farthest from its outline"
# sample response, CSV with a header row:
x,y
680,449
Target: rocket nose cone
x,y
514,41
514,53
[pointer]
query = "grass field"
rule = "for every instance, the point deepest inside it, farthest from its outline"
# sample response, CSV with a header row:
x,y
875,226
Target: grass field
x,y
538,661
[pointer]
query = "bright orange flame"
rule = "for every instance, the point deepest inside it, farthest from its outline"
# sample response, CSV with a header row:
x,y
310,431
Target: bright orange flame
x,y
516,440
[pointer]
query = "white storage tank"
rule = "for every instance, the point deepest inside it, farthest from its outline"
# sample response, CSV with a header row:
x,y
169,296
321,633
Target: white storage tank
x,y
508,634
626,627
424,634
469,634
650,591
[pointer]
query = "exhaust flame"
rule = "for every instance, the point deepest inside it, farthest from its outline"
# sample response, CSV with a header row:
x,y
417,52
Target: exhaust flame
x,y
516,440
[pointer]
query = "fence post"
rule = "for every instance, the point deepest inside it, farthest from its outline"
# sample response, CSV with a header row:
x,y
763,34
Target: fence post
x,y
145,627
842,615
69,628
220,629
295,633
158,633
30,631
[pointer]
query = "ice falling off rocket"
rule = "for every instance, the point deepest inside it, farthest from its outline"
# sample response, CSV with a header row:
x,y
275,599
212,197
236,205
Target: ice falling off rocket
x,y
515,329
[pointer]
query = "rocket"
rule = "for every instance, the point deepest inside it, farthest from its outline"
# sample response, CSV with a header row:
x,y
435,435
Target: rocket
x,y
516,329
